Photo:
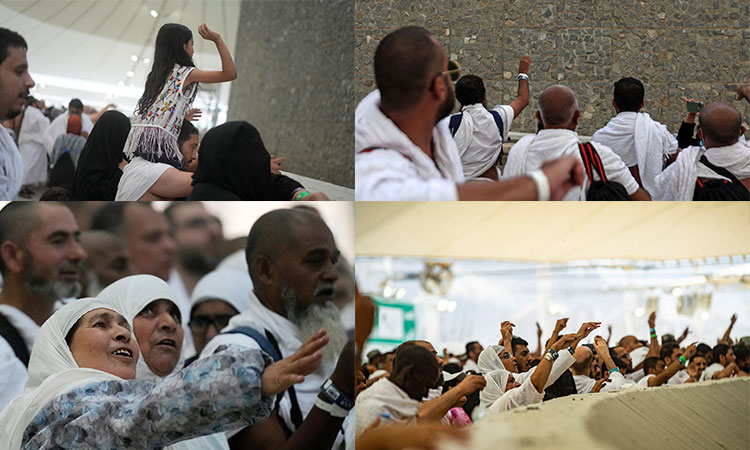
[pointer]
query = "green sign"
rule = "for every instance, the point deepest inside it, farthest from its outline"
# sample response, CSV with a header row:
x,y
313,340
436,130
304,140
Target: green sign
x,y
395,322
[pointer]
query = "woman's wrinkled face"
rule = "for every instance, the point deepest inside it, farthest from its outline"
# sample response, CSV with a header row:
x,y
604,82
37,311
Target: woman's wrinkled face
x,y
158,329
511,384
102,341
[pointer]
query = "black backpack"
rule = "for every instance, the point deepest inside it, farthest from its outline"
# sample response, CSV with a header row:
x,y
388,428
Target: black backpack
x,y
602,189
714,190
455,122
63,173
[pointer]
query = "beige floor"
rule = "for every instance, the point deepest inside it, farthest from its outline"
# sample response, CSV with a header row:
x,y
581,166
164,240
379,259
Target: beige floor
x,y
703,416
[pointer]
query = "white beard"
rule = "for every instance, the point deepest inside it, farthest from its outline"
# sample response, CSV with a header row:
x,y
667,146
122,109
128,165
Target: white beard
x,y
314,317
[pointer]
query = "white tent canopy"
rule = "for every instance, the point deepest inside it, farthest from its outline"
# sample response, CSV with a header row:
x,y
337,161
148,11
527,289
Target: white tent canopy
x,y
534,263
101,51
553,232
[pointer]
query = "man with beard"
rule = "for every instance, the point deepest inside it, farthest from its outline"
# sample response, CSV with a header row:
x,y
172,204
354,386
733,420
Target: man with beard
x,y
15,83
404,150
199,240
40,260
291,256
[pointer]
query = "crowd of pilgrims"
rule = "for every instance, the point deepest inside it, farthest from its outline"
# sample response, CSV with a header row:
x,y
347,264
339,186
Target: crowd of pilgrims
x,y
426,396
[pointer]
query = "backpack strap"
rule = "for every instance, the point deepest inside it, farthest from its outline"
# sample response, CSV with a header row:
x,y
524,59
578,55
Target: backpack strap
x,y
11,334
720,170
455,122
269,345
591,161
498,122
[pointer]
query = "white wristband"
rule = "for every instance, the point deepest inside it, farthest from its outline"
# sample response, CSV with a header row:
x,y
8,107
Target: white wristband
x,y
542,184
523,76
332,409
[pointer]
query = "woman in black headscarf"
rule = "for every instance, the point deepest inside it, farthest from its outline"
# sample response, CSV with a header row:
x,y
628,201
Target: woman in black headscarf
x,y
233,164
99,171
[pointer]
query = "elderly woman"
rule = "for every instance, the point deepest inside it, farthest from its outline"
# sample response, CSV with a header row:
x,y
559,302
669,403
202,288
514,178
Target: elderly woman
x,y
506,390
81,392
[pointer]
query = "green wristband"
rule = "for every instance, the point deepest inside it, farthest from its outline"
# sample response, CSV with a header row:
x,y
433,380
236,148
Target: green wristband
x,y
301,195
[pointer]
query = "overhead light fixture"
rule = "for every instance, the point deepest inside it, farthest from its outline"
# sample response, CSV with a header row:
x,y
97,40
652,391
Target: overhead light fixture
x,y
134,58
154,14
146,60
130,74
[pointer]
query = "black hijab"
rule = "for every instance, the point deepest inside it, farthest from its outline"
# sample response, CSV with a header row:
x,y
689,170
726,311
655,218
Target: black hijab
x,y
233,164
98,173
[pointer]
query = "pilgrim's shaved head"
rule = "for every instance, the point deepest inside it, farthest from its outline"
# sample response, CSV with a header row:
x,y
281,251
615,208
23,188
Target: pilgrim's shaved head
x,y
273,233
721,123
557,106
406,61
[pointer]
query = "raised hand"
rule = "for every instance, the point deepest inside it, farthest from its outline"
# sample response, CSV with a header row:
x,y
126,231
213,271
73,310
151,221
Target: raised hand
x,y
599,384
562,174
193,114
292,370
565,341
652,319
587,328
561,323
471,383
524,65
506,330
207,34
276,163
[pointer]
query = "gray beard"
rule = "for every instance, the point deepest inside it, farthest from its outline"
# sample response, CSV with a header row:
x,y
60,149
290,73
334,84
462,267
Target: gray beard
x,y
312,318
54,290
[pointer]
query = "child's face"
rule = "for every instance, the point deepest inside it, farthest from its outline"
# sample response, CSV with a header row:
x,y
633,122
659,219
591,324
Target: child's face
x,y
190,153
189,48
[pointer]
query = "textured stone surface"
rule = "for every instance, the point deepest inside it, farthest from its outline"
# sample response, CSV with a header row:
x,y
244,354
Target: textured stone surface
x,y
296,69
678,48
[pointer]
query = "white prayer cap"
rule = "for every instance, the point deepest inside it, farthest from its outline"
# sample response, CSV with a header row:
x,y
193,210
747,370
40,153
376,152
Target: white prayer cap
x,y
489,360
230,285
236,260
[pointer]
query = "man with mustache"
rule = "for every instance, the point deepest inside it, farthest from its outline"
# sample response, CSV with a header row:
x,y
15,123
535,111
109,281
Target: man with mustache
x,y
15,83
292,256
404,150
40,261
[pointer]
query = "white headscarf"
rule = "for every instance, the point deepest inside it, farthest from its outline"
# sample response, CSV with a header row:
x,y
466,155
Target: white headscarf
x,y
495,388
489,360
52,370
230,285
132,294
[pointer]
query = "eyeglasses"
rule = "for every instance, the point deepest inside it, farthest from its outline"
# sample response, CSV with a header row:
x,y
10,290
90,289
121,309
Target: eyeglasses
x,y
505,355
200,324
454,71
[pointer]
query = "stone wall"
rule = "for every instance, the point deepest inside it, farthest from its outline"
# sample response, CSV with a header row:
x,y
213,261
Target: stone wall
x,y
295,64
678,48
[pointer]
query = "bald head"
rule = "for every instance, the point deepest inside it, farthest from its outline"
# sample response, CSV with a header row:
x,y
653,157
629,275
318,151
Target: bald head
x,y
558,107
274,232
406,61
584,356
721,124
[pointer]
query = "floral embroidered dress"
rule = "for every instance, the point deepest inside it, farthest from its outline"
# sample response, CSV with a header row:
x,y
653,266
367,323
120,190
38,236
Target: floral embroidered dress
x,y
214,394
153,135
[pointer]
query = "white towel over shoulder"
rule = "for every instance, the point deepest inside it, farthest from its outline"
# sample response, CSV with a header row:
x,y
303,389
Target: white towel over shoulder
x,y
639,140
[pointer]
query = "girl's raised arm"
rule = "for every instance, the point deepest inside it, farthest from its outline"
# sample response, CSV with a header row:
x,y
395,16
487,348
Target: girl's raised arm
x,y
227,72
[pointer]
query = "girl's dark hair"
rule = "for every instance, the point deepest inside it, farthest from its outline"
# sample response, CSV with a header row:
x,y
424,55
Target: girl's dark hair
x,y
170,50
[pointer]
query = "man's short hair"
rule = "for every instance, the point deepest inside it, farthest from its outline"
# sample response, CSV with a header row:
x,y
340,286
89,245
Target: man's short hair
x,y
470,346
704,349
187,130
406,62
75,103
649,363
718,351
10,39
470,90
271,234
697,355
741,352
413,355
17,220
629,94
579,367
622,365
667,349
516,341
723,129
110,217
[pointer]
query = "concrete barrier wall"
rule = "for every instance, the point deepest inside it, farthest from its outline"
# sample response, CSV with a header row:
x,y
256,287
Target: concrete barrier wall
x,y
295,64
677,48
699,416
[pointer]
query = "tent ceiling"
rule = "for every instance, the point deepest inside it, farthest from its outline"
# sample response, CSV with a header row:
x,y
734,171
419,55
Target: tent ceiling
x,y
93,40
552,232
